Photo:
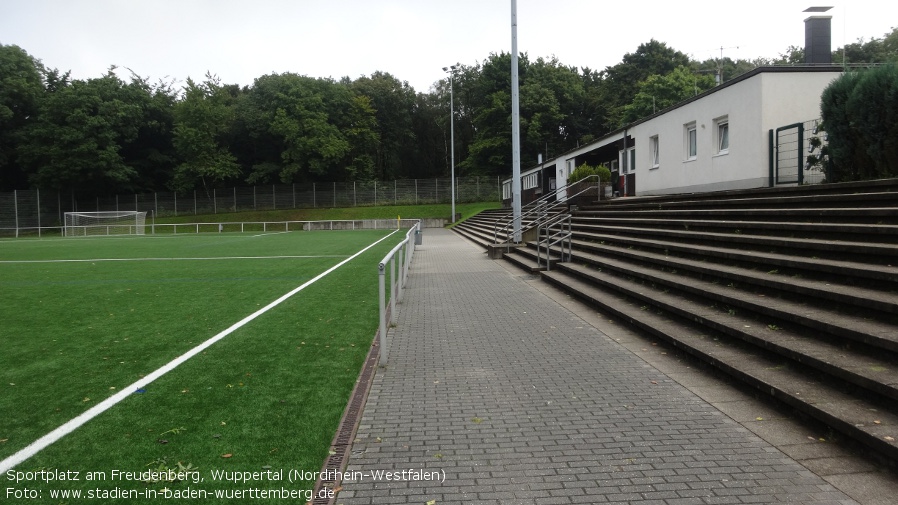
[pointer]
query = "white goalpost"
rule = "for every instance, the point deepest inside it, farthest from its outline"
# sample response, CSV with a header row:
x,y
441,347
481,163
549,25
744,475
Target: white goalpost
x,y
84,224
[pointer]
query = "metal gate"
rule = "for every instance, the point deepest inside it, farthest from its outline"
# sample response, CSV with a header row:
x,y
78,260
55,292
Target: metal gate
x,y
786,155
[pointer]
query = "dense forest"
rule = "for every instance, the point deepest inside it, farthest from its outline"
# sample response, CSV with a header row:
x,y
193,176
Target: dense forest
x,y
109,135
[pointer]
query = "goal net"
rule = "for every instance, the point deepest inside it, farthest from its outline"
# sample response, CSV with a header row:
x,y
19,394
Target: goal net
x,y
82,224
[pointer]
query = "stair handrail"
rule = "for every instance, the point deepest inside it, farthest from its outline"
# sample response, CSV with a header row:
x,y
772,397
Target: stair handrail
x,y
563,234
541,207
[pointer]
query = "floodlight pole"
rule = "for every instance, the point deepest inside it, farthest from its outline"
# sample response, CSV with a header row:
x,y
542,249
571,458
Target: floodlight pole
x,y
515,127
451,71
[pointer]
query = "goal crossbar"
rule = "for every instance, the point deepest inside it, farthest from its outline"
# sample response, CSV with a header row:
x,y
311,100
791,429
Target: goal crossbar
x,y
84,224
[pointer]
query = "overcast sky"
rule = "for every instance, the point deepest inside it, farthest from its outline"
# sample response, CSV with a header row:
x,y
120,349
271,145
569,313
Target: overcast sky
x,y
411,39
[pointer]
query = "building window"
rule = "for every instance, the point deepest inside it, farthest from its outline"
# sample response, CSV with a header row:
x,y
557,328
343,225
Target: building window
x,y
506,191
722,133
655,149
691,138
530,181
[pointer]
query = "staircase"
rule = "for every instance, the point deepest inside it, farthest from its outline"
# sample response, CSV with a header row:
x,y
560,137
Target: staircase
x,y
793,291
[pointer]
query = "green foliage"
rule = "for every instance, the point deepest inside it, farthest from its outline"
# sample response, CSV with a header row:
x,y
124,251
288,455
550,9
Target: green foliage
x,y
318,129
76,141
583,171
106,135
622,80
20,91
658,92
874,103
203,118
551,104
860,116
394,106
875,50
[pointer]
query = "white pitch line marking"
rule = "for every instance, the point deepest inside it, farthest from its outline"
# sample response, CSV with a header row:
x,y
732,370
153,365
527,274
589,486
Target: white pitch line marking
x,y
270,233
70,426
92,260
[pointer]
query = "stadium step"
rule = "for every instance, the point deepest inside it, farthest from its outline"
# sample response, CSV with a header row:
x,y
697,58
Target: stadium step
x,y
793,291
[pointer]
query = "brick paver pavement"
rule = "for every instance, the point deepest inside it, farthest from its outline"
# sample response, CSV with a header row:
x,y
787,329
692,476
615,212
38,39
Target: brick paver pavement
x,y
496,394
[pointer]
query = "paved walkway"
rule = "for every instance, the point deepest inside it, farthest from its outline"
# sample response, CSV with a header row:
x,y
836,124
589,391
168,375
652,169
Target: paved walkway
x,y
496,394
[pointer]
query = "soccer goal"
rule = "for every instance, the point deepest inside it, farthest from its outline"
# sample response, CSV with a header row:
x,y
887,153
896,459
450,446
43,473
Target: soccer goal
x,y
83,224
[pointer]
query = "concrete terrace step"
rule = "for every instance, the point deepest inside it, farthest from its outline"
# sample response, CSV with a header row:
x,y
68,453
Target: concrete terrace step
x,y
751,321
756,241
833,231
793,291
861,297
880,273
868,423
881,215
760,202
838,190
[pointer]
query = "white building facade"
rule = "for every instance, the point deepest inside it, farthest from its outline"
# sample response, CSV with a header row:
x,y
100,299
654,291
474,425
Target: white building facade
x,y
718,140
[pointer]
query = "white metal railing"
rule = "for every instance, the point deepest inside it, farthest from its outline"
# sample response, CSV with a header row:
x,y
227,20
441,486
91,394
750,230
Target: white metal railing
x,y
538,211
405,250
555,231
273,226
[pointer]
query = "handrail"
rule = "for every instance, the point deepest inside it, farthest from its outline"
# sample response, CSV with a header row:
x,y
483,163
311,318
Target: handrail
x,y
406,249
541,207
562,236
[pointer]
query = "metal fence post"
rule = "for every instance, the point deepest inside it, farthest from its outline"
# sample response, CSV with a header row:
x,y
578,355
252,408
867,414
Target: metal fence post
x,y
15,206
39,212
401,280
383,313
393,315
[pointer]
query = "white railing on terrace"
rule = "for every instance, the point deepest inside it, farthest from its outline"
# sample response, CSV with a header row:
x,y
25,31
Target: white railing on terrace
x,y
405,250
554,232
538,211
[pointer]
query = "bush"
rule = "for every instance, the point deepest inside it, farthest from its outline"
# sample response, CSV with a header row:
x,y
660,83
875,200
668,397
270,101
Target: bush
x,y
584,171
860,116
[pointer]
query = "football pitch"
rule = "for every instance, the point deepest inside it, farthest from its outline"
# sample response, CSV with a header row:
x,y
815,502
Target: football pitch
x,y
244,379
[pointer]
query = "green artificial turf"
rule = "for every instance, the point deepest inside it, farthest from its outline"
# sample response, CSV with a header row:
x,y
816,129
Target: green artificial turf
x,y
268,396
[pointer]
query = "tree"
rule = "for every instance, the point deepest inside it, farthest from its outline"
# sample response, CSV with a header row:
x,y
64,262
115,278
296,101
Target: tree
x,y
875,50
661,91
319,128
394,104
203,120
552,111
847,145
621,81
152,153
77,139
552,98
874,105
432,140
21,89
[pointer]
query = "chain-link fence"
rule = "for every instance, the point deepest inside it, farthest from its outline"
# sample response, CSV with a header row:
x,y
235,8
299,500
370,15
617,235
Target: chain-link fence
x,y
35,212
